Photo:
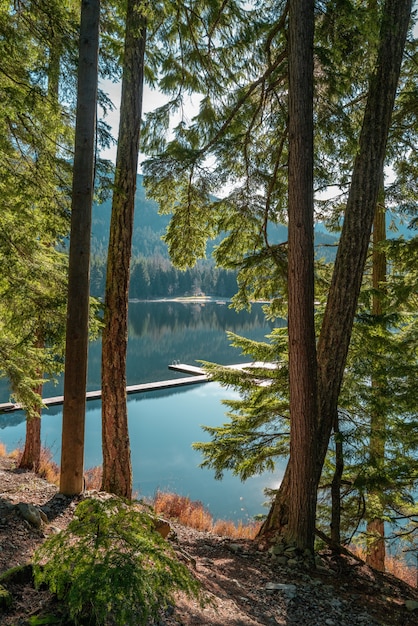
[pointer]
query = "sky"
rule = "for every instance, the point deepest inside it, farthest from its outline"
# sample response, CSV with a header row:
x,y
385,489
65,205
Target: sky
x,y
151,100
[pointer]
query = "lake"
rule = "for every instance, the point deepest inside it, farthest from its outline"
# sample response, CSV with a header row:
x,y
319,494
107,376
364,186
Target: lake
x,y
164,424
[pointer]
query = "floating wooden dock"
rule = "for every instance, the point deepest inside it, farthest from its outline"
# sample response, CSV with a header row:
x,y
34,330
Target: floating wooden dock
x,y
8,407
197,375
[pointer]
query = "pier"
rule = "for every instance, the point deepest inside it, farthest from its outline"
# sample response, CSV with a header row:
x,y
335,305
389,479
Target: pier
x,y
8,407
196,375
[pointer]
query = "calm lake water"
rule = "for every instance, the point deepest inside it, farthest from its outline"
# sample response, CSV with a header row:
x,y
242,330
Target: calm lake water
x,y
164,424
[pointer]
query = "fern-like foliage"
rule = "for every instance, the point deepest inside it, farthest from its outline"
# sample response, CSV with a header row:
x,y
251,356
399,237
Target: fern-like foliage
x,y
110,566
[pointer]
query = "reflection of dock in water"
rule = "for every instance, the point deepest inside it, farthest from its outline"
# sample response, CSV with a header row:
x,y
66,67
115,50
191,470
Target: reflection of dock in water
x,y
197,375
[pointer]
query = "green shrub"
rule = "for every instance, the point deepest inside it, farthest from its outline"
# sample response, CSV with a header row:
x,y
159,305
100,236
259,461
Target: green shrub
x,y
111,567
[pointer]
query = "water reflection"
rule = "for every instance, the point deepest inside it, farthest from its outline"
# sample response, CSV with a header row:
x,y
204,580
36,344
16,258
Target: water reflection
x,y
163,425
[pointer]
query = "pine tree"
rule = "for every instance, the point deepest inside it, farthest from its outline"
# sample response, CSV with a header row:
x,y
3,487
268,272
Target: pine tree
x,y
236,126
34,211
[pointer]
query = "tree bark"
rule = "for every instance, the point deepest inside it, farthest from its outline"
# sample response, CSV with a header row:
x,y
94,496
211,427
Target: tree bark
x,y
75,376
362,200
117,472
31,457
352,250
301,328
277,519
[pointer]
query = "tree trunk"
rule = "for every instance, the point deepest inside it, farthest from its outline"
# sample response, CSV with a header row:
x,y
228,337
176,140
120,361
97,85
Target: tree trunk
x,y
275,524
376,551
31,457
352,250
117,472
293,512
362,200
301,329
75,376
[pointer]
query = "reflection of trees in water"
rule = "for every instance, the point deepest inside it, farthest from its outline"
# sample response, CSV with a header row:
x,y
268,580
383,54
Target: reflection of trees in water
x,y
161,332
157,318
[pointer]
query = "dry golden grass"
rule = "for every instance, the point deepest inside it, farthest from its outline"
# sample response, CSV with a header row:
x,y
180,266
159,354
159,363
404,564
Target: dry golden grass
x,y
192,513
398,567
48,469
394,564
15,454
93,478
226,528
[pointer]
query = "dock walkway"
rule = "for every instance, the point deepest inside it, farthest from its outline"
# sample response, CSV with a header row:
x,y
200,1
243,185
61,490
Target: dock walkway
x,y
197,375
8,407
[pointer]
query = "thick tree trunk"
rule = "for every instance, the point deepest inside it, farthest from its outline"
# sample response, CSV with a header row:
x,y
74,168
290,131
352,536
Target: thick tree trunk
x,y
293,512
362,200
301,329
277,519
75,377
352,250
117,472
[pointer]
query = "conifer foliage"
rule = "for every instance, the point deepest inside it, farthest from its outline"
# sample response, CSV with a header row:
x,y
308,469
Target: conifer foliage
x,y
287,106
241,136
110,565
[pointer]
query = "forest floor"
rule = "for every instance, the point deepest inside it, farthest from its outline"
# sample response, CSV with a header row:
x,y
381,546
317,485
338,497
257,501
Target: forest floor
x,y
245,587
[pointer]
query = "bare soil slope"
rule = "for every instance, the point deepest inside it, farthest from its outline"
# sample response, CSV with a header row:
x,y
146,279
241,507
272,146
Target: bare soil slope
x,y
245,587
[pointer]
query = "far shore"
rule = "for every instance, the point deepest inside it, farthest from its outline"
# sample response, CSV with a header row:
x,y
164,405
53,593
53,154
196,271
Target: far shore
x,y
195,300
191,299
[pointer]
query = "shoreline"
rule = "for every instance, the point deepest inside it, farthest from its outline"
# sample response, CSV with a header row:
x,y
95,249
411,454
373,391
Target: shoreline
x,y
187,299
196,300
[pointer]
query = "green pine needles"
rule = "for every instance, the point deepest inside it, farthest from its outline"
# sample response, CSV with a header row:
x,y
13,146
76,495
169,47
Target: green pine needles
x,y
110,566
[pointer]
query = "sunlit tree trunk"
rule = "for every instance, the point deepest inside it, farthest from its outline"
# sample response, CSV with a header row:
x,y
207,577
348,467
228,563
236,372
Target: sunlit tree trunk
x,y
31,457
301,329
354,241
293,513
117,472
75,376
361,204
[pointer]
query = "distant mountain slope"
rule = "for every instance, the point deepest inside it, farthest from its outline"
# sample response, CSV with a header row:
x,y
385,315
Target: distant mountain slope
x,y
149,226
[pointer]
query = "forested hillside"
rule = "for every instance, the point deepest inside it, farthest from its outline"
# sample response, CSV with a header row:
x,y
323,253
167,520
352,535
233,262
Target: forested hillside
x,y
152,273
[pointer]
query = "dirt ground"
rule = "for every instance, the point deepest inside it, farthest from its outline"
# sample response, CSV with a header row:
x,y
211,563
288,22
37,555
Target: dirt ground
x,y
244,586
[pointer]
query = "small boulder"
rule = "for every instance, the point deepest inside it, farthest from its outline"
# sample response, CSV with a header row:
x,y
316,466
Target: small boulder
x,y
31,513
162,527
288,590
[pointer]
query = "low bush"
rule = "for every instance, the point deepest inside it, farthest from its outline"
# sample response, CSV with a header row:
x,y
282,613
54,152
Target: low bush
x,y
111,567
